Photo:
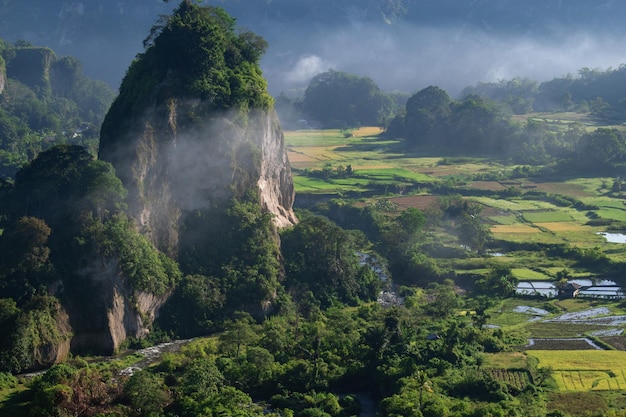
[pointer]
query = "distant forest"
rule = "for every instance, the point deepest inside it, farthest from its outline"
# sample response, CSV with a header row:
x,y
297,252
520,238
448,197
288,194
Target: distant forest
x,y
482,121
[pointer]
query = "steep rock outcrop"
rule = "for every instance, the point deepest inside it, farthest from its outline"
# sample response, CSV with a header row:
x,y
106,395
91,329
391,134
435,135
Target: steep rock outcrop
x,y
170,171
3,75
115,315
192,132
31,66
193,126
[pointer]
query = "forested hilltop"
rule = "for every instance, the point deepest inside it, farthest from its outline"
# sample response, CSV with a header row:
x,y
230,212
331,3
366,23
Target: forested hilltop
x,y
446,257
45,100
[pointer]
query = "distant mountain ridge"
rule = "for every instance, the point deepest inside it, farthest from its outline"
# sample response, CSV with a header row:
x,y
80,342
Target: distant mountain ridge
x,y
106,35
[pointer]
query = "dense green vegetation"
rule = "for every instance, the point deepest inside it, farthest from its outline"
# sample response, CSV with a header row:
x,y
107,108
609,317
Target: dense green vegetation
x,y
46,101
337,99
216,65
390,300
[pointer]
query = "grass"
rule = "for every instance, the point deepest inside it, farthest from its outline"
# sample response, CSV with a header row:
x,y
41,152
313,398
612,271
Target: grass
x,y
525,274
560,329
589,360
546,216
312,137
514,205
517,228
506,360
15,402
579,403
507,220
585,370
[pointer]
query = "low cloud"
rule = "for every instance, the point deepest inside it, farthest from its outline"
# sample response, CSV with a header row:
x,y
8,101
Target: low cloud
x,y
410,58
305,68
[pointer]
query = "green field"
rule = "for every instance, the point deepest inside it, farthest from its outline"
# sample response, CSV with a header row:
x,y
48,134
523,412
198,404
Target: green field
x,y
546,216
584,370
380,168
530,274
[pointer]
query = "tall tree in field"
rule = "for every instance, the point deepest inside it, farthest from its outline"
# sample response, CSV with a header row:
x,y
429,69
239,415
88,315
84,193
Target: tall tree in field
x,y
343,100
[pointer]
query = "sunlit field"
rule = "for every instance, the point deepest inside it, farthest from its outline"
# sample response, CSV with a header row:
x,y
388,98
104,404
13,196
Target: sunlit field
x,y
584,370
381,170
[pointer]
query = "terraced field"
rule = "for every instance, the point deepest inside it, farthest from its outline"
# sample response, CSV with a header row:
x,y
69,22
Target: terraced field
x,y
585,370
549,216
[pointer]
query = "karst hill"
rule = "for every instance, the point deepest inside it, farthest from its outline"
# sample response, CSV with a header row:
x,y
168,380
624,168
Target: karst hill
x,y
193,136
174,226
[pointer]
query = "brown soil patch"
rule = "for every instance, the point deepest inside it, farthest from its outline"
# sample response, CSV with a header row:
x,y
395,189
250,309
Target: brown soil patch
x,y
514,228
618,342
488,185
572,190
577,403
296,157
417,201
493,212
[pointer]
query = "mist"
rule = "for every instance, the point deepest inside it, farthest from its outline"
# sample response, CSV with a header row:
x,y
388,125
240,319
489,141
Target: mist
x,y
409,58
446,43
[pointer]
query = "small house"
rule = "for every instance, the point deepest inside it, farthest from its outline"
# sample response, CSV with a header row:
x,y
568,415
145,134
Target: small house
x,y
569,290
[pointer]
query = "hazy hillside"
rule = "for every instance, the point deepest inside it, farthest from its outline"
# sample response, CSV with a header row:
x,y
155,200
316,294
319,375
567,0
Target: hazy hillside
x,y
402,44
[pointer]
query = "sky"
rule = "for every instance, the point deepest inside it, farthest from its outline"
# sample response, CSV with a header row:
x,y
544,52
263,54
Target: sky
x,y
448,43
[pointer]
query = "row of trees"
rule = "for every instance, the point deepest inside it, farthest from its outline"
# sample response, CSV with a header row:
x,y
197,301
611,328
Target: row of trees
x,y
422,360
593,90
432,121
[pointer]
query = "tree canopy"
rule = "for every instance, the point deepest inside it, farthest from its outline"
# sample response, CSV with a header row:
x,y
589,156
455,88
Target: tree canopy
x,y
193,54
337,99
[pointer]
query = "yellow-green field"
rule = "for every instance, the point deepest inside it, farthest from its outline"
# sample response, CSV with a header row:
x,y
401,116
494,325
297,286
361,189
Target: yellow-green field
x,y
381,169
529,274
584,370
506,360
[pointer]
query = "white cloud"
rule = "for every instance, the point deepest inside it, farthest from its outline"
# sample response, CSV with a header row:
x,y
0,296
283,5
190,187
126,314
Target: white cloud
x,y
307,67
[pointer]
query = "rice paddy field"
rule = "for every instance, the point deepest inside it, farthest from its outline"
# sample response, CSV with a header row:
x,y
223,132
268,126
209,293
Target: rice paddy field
x,y
585,370
586,355
380,169
564,336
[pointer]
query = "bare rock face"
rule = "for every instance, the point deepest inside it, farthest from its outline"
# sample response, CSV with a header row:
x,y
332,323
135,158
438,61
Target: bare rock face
x,y
172,167
275,182
192,129
117,314
3,76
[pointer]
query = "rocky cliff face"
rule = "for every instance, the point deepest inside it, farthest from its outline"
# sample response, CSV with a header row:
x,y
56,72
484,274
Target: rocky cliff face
x,y
192,130
115,315
170,170
194,126
3,75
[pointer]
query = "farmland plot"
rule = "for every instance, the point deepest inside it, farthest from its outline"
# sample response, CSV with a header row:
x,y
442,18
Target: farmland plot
x,y
517,379
585,370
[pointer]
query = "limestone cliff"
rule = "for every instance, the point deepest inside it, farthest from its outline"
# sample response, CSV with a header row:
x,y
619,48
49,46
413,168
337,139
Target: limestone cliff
x,y
192,132
3,75
117,314
170,171
194,126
